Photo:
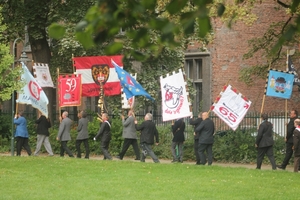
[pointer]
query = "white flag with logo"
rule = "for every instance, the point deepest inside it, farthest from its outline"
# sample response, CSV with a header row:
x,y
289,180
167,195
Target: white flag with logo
x,y
42,75
231,107
175,103
32,93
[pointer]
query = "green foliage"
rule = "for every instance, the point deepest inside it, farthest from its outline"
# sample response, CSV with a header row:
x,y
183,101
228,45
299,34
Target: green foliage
x,y
238,147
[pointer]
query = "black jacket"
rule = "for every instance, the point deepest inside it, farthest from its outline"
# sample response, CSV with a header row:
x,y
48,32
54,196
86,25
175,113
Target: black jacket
x,y
206,131
178,131
43,124
290,130
264,136
196,123
104,132
148,132
296,142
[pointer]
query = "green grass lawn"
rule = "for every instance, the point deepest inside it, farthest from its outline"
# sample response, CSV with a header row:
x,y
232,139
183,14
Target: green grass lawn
x,y
67,178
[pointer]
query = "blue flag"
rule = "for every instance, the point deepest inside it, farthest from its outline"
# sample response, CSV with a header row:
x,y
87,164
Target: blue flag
x,y
280,84
130,86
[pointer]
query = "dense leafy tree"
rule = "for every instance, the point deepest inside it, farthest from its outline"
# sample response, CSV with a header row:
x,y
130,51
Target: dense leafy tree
x,y
8,76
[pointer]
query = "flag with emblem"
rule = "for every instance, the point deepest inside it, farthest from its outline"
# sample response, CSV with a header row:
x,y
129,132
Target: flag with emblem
x,y
231,106
32,93
130,86
95,70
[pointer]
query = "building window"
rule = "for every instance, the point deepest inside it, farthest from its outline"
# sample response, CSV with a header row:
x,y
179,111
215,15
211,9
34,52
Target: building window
x,y
199,68
189,69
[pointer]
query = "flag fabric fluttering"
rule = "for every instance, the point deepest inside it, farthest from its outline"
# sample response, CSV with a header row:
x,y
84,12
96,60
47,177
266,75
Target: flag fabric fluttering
x,y
69,90
130,86
231,107
279,84
174,95
42,75
96,69
32,93
127,103
292,70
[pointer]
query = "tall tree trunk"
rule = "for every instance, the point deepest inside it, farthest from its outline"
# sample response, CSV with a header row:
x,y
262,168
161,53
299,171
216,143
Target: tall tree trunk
x,y
41,54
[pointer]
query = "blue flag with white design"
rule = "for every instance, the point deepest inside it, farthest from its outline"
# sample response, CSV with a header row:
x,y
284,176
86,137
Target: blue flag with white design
x,y
280,84
130,86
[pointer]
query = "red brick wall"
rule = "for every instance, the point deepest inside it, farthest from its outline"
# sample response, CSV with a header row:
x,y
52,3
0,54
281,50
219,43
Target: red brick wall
x,y
227,52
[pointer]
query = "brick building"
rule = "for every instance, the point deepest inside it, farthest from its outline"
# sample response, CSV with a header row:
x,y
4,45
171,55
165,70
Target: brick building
x,y
224,59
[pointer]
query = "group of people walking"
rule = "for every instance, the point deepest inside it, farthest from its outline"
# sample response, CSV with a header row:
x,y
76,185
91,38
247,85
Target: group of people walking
x,y
203,138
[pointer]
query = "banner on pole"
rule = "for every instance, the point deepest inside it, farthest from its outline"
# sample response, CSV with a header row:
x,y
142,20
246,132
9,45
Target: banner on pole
x,y
42,75
96,69
231,107
175,102
32,93
280,84
69,90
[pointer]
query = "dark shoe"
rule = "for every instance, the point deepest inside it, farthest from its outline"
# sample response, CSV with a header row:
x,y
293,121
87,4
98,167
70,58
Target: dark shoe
x,y
118,157
137,159
280,167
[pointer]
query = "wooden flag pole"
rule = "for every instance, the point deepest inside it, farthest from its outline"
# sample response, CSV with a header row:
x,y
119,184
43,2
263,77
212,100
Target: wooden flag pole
x,y
57,99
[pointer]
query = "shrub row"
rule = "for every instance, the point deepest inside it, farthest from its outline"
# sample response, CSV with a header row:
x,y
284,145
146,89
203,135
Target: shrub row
x,y
230,146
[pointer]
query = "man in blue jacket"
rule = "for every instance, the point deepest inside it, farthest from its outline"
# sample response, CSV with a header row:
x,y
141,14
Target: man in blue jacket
x,y
21,134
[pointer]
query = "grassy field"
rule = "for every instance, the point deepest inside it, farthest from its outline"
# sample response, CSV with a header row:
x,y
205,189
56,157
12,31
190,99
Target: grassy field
x,y
66,178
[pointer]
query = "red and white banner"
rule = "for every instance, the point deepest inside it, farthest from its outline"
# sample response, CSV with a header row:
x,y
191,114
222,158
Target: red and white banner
x,y
231,107
32,93
175,102
98,69
69,90
42,75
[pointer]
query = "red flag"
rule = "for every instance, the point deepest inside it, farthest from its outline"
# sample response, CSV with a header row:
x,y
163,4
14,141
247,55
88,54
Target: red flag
x,y
98,69
69,90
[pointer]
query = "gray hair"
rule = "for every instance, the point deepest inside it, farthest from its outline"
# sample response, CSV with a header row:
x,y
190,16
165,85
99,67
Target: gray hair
x,y
148,116
65,113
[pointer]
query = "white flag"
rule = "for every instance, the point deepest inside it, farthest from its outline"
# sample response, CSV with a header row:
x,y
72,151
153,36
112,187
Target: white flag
x,y
32,93
42,75
231,107
175,103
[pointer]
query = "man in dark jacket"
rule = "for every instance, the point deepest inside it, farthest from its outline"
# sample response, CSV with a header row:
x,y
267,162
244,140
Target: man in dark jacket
x,y
264,142
178,138
289,140
206,131
196,123
296,142
104,133
43,125
148,132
